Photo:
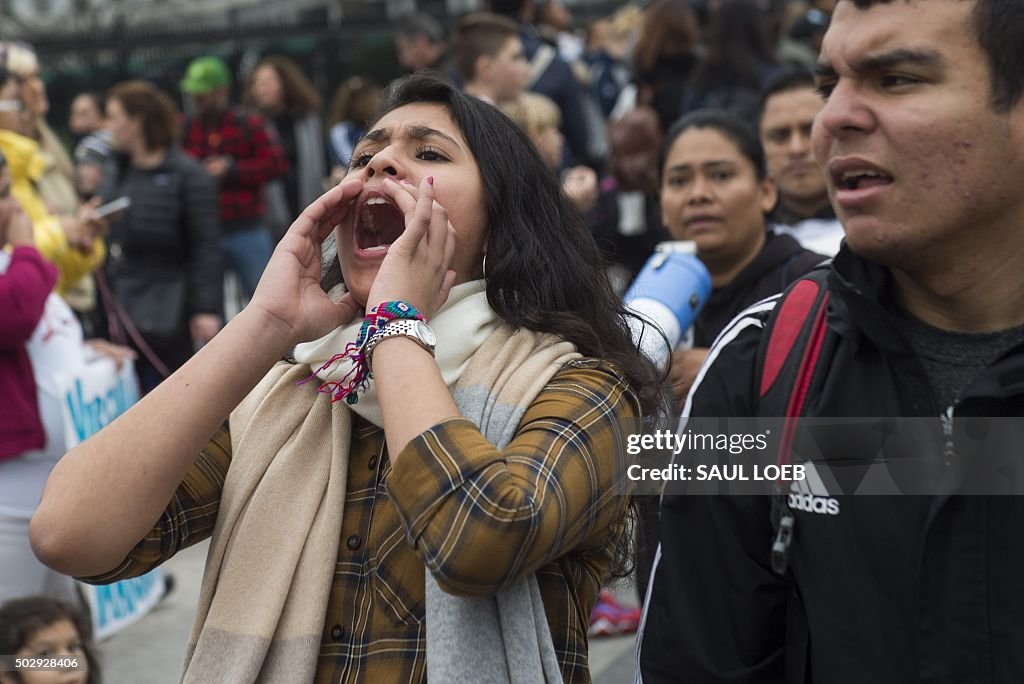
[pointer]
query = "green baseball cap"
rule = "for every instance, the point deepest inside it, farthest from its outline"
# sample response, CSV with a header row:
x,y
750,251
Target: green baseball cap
x,y
205,74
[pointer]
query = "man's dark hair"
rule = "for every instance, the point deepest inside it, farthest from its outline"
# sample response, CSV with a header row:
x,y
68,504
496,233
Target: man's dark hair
x,y
790,79
477,35
729,125
999,27
422,25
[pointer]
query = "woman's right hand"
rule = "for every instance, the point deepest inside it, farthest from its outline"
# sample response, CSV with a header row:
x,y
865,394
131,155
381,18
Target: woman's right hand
x,y
289,294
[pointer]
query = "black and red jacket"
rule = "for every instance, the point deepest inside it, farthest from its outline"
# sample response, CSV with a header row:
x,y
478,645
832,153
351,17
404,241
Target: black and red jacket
x,y
884,589
256,157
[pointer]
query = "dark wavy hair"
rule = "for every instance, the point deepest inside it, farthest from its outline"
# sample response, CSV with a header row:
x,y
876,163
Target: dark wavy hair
x,y
21,618
544,270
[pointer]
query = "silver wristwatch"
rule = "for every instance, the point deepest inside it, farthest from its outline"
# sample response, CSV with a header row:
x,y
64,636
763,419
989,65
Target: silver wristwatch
x,y
418,331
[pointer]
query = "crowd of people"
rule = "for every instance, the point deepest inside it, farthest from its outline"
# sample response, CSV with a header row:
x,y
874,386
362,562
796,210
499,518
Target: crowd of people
x,y
445,257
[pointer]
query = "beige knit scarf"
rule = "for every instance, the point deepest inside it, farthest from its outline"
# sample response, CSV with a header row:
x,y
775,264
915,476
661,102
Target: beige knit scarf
x,y
271,561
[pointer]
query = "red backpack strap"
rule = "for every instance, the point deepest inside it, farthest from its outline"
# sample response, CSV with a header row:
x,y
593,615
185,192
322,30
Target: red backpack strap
x,y
795,336
800,323
787,362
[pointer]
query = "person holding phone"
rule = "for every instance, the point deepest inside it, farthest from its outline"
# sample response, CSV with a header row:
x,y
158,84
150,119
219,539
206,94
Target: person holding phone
x,y
165,270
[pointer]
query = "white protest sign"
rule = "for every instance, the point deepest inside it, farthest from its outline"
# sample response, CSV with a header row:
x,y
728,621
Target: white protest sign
x,y
96,395
92,398
115,606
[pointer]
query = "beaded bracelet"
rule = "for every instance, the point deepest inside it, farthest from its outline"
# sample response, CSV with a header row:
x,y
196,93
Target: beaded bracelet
x,y
357,378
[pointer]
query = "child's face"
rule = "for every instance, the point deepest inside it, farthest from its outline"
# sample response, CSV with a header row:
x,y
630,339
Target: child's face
x,y
59,640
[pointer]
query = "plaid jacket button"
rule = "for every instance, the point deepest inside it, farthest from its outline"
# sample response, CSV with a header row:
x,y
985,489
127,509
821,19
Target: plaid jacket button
x,y
337,632
354,542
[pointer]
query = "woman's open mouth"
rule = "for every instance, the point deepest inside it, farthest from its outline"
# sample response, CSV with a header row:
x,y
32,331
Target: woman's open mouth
x,y
378,224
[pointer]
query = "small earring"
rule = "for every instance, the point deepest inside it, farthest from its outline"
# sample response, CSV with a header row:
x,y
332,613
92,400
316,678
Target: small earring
x,y
484,266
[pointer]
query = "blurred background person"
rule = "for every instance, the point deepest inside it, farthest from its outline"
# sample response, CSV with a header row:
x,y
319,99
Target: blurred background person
x,y
801,30
70,243
54,180
166,267
788,107
237,149
41,344
665,57
87,114
626,221
354,104
41,627
555,27
26,280
283,95
739,61
56,183
420,44
489,57
538,116
609,44
552,76
26,283
716,192
93,157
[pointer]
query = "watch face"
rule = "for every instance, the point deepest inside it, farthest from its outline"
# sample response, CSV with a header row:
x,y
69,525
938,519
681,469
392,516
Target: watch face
x,y
425,333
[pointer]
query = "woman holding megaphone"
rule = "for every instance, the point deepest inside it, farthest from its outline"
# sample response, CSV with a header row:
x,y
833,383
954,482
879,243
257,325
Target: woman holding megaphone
x,y
716,193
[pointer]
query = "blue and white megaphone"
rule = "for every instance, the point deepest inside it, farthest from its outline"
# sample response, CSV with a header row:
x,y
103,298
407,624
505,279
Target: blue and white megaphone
x,y
667,294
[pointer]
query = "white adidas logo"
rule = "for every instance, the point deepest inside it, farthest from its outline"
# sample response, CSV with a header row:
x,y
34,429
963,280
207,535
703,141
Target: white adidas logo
x,y
810,495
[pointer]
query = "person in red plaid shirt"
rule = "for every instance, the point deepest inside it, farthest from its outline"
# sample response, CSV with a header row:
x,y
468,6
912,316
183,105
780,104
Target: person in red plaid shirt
x,y
236,149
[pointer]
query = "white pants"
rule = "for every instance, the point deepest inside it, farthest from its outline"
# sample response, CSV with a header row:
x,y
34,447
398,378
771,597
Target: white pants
x,y
21,573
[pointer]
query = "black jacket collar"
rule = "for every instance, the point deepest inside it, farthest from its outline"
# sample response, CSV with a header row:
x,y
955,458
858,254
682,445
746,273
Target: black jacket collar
x,y
862,307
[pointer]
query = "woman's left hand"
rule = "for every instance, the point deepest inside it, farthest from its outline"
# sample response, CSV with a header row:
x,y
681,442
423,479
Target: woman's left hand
x,y
416,267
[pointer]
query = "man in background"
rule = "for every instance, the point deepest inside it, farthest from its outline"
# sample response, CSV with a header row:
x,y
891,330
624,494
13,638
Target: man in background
x,y
237,150
420,44
489,58
788,107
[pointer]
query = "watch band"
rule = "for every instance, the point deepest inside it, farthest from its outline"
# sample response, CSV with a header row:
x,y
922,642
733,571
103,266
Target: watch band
x,y
401,326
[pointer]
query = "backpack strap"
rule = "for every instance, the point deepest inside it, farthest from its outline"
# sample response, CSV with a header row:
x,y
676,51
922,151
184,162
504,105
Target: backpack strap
x,y
787,362
539,64
788,357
